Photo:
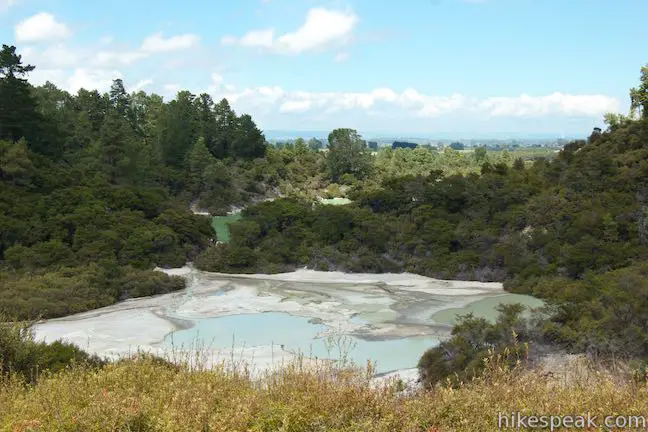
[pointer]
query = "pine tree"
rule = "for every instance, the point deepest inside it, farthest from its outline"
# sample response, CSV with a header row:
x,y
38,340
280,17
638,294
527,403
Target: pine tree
x,y
18,114
198,159
249,142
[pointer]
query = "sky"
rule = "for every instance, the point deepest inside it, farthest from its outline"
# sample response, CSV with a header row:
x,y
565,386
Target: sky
x,y
436,67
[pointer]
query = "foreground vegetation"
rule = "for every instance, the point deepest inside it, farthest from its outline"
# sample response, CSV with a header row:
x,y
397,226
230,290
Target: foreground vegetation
x,y
147,395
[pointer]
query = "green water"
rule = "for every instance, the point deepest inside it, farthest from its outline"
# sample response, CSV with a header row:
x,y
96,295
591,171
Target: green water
x,y
221,226
484,308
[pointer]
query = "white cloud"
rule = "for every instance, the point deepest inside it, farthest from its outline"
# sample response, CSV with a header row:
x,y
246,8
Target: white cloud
x,y
343,56
58,56
555,103
217,78
170,90
92,67
41,27
258,38
103,55
322,28
156,43
116,58
295,106
6,4
40,76
91,79
140,85
387,102
73,80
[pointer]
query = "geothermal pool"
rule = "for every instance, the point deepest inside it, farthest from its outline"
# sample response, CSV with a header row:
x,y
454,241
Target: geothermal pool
x,y
267,320
221,226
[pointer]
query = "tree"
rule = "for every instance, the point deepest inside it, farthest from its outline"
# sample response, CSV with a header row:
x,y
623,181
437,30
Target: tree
x,y
518,164
225,125
11,64
18,114
179,128
403,144
300,147
639,96
207,126
347,154
198,160
249,142
94,105
481,154
15,164
315,144
457,146
120,100
116,147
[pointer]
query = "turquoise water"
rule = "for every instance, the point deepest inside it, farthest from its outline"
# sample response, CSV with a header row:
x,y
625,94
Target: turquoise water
x,y
387,355
298,335
247,330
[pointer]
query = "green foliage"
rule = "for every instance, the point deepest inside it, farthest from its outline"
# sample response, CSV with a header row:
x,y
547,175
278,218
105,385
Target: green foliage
x,y
602,314
22,356
347,154
86,201
461,357
15,163
639,95
18,115
70,290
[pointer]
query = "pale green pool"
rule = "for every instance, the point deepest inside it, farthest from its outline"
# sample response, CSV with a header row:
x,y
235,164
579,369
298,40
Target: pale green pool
x,y
336,201
221,226
485,308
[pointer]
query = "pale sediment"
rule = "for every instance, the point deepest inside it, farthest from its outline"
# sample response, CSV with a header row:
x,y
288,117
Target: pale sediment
x,y
393,324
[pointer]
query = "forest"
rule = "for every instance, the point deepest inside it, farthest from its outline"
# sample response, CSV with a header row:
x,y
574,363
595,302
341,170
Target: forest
x,y
95,192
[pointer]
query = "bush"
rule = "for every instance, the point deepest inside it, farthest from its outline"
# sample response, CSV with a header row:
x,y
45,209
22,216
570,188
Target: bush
x,y
147,283
461,357
26,358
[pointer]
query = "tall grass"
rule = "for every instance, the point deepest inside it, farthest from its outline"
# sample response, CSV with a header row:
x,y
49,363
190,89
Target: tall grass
x,y
146,394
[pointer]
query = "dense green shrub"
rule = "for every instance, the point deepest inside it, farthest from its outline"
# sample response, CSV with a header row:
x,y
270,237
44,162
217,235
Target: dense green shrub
x,y
461,357
22,355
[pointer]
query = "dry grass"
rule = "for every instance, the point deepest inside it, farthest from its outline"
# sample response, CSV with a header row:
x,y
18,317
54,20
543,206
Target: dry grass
x,y
142,395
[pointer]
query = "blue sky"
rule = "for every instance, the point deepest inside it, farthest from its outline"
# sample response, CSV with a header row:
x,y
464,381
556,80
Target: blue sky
x,y
449,67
